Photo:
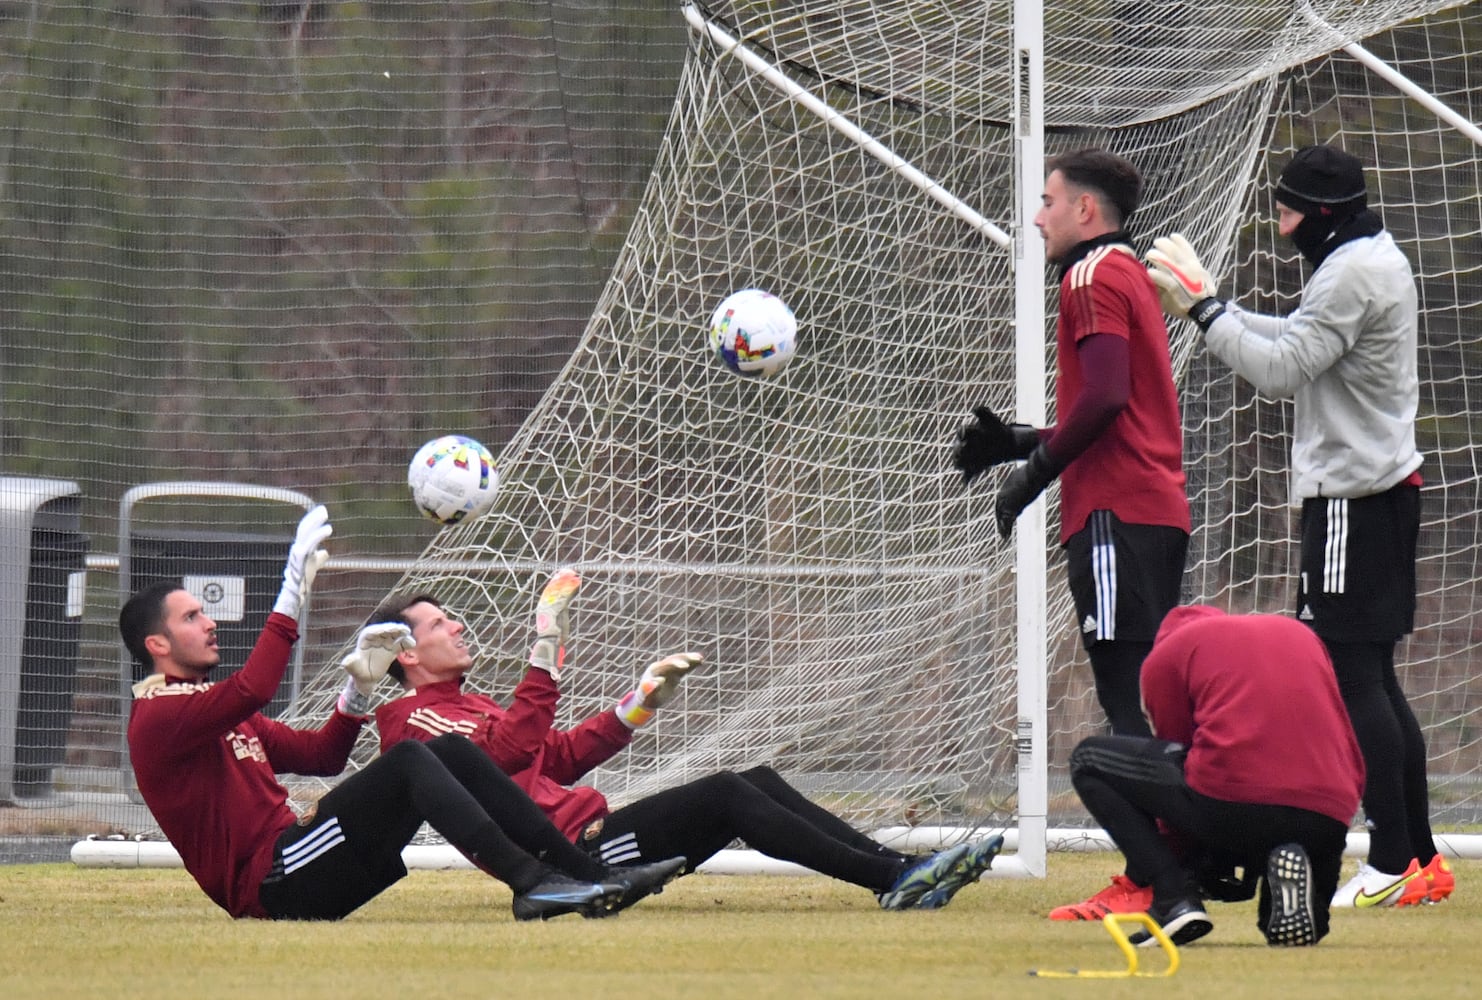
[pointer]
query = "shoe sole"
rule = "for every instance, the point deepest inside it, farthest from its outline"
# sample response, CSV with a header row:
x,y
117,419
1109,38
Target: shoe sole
x,y
1289,879
603,906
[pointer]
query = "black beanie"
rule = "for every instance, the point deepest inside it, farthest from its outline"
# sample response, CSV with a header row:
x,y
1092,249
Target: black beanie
x,y
1322,180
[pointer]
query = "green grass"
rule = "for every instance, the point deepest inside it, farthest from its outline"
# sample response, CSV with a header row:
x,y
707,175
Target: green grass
x,y
68,932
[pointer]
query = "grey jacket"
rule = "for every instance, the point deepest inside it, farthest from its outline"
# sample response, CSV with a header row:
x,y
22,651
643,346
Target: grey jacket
x,y
1347,355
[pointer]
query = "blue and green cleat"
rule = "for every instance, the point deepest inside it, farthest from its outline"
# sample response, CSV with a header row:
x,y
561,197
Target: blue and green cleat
x,y
977,860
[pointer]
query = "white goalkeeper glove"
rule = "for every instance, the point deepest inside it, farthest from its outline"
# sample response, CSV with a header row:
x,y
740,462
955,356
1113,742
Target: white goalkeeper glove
x,y
656,688
305,557
376,647
1184,287
552,623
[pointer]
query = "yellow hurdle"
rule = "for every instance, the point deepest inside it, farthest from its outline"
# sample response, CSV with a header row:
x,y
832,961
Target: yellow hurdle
x,y
1112,922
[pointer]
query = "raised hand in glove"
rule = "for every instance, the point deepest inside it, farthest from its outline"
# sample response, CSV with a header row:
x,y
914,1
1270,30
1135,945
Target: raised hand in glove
x,y
656,688
1185,289
305,557
1022,485
987,441
552,624
376,647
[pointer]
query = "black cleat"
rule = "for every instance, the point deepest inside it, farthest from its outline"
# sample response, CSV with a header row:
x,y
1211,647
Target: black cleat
x,y
1183,920
639,881
557,895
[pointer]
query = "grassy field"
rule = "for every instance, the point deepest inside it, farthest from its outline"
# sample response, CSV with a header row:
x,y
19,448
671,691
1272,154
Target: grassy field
x,y
67,932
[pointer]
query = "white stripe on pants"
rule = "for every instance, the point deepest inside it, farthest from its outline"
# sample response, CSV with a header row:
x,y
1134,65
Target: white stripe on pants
x,y
1335,547
302,852
1104,574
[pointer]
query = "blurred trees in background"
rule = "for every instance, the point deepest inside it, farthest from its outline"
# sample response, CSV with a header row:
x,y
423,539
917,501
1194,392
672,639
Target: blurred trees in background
x,y
285,242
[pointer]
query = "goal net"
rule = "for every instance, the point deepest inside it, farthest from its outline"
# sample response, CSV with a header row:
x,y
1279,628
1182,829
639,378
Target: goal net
x,y
855,605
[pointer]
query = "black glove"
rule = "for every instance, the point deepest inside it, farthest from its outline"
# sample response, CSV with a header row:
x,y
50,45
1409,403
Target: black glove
x,y
987,441
1022,486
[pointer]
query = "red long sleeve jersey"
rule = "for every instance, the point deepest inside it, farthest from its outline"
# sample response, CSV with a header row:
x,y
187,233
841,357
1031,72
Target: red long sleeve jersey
x,y
1255,700
205,759
521,740
1135,468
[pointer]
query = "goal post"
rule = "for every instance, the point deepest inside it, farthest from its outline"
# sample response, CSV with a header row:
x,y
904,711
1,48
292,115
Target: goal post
x,y
1030,560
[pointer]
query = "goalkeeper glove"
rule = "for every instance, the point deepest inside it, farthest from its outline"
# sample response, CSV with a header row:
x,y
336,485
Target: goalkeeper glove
x,y
1184,287
656,688
376,648
305,557
1022,486
552,623
988,441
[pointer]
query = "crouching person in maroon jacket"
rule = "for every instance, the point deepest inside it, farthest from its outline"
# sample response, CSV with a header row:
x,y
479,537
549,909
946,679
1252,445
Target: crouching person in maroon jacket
x,y
1253,765
206,761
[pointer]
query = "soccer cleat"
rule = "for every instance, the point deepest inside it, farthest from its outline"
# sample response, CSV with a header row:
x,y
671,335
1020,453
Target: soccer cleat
x,y
1440,877
1435,883
1183,920
556,895
921,877
1122,896
977,860
1289,879
641,881
1372,887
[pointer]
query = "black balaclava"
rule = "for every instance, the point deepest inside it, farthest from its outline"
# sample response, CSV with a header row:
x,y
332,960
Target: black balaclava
x,y
1326,185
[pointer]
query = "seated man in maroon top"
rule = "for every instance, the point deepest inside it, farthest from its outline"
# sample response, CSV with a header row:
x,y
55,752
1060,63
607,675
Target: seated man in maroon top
x,y
695,820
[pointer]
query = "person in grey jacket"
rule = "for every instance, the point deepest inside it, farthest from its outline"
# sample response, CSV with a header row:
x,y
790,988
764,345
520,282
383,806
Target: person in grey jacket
x,y
1347,356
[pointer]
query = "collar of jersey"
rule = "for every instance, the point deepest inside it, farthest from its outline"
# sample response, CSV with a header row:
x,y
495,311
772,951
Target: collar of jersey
x,y
1079,251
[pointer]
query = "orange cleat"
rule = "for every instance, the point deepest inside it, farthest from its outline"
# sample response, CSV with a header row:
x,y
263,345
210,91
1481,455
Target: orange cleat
x,y
1122,896
1435,883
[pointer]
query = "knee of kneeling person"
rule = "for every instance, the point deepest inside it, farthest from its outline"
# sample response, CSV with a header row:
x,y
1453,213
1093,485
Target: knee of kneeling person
x,y
1083,757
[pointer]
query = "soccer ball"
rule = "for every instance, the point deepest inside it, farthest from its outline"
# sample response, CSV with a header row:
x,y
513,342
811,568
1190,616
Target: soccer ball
x,y
452,478
754,333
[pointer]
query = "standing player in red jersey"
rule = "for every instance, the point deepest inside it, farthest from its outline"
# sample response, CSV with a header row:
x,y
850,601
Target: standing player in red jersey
x,y
1117,448
206,760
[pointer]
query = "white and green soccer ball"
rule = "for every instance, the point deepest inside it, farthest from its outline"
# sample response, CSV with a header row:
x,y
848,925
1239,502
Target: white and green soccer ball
x,y
452,478
754,333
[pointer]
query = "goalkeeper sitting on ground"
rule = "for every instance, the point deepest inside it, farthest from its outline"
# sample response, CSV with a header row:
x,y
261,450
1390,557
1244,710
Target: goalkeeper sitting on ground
x,y
695,820
206,761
